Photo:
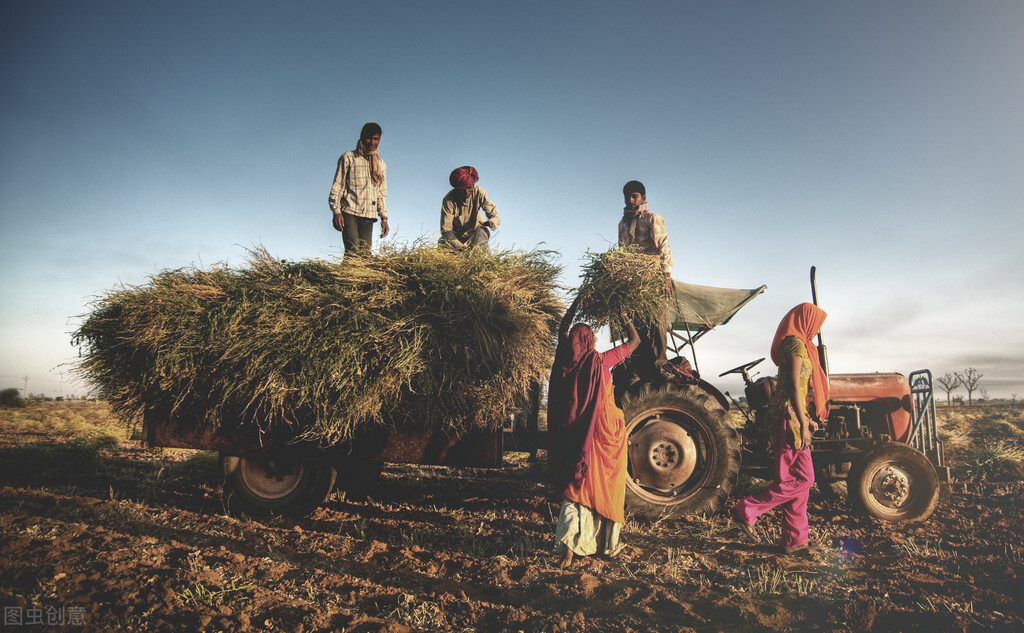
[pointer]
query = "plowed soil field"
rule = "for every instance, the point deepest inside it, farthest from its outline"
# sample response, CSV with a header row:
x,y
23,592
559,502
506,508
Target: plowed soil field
x,y
108,536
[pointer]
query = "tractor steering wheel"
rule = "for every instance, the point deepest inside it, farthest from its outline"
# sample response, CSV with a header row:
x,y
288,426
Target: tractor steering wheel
x,y
742,369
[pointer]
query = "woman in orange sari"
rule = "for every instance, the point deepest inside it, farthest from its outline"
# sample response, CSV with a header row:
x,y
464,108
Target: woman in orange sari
x,y
801,387
587,441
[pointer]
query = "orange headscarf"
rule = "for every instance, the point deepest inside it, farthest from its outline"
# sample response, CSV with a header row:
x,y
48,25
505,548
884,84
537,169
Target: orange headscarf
x,y
803,322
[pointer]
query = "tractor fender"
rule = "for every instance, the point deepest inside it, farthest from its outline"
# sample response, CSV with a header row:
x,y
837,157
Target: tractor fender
x,y
713,391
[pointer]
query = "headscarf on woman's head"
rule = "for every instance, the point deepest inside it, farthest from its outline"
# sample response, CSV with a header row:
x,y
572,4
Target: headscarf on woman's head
x,y
803,322
573,405
376,164
463,177
581,343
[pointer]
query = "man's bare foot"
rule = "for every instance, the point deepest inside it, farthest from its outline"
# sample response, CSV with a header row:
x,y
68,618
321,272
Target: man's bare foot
x,y
566,559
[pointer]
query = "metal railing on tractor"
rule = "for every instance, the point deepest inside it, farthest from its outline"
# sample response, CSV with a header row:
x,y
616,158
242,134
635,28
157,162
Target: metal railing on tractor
x,y
924,435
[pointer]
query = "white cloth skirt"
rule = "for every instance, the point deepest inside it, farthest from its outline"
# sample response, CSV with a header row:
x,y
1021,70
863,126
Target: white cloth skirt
x,y
585,532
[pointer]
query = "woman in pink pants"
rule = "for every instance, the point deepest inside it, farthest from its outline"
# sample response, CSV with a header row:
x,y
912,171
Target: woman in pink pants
x,y
801,383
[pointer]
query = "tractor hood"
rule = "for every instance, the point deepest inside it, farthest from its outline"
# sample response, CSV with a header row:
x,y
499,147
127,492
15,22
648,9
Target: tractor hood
x,y
890,393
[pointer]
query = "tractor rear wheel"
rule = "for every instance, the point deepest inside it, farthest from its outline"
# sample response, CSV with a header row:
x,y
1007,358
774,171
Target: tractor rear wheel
x,y
894,482
260,485
684,456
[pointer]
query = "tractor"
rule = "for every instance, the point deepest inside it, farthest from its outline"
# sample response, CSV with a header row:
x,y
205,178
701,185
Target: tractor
x,y
685,456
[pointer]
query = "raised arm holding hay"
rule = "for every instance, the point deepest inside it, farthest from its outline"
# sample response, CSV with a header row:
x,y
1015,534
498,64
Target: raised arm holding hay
x,y
587,435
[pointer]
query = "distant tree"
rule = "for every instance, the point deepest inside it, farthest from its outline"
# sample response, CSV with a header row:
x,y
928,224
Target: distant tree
x,y
948,382
970,380
11,398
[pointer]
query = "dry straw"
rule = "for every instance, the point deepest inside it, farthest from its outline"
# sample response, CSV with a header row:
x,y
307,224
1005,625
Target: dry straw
x,y
620,280
315,349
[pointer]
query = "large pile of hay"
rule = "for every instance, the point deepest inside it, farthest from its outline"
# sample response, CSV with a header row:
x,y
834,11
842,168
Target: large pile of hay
x,y
316,348
620,280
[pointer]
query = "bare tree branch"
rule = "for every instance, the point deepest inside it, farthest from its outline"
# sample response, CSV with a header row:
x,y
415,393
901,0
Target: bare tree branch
x,y
948,382
970,380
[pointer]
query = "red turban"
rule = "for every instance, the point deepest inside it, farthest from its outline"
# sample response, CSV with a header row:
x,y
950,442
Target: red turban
x,y
464,177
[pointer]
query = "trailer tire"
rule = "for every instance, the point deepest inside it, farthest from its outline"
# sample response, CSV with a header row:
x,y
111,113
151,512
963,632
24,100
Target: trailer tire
x,y
894,482
261,485
684,456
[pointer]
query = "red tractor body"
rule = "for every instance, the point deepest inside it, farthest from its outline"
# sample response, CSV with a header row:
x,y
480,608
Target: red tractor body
x,y
887,394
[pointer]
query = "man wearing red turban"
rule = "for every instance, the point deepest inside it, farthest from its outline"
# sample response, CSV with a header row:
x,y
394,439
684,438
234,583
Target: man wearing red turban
x,y
461,224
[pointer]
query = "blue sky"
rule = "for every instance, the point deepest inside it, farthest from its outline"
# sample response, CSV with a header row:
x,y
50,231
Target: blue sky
x,y
882,142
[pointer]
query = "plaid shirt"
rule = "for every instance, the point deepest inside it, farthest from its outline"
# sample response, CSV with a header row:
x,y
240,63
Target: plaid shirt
x,y
649,236
353,191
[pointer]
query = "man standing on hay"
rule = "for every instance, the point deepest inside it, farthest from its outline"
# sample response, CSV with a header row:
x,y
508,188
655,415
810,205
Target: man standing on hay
x,y
644,231
359,192
461,226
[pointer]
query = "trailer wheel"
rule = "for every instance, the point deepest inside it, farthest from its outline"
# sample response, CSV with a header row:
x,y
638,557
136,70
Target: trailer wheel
x,y
684,456
894,482
260,485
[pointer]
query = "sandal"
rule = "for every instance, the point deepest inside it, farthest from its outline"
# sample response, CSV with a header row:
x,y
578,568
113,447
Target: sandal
x,y
749,531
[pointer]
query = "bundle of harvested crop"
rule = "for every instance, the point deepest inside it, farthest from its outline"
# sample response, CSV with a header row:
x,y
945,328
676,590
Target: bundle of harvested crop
x,y
316,349
620,280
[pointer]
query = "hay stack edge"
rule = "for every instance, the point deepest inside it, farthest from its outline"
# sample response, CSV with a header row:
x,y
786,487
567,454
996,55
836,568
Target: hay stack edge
x,y
316,349
616,281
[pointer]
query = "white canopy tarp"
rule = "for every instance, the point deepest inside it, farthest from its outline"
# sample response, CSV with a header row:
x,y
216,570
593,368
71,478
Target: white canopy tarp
x,y
700,308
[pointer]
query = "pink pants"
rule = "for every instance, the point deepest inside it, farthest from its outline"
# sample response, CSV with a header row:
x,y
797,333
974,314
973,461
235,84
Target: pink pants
x,y
794,476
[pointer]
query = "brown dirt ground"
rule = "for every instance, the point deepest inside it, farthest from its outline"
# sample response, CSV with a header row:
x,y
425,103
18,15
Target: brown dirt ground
x,y
133,540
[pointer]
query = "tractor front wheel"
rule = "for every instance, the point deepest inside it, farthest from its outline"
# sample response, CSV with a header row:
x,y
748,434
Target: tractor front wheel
x,y
260,485
894,482
684,456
